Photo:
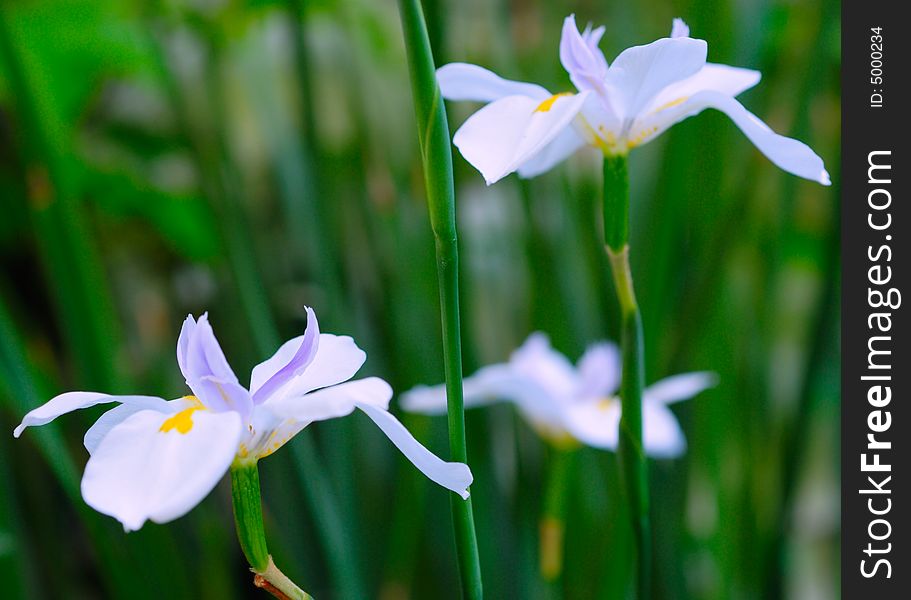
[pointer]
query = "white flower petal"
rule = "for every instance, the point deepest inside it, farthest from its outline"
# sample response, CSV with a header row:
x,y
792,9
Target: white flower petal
x,y
537,361
661,432
207,370
220,395
712,77
599,370
580,56
121,413
563,146
639,73
462,81
597,424
337,359
291,359
453,476
204,356
679,28
490,384
332,402
71,401
594,423
679,387
183,344
264,370
786,153
144,470
503,135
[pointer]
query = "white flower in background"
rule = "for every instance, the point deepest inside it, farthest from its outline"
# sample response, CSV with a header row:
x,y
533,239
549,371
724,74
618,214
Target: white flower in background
x,y
617,107
569,404
153,459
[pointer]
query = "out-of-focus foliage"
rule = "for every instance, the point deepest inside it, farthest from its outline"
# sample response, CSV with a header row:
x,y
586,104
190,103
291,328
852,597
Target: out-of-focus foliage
x,y
248,158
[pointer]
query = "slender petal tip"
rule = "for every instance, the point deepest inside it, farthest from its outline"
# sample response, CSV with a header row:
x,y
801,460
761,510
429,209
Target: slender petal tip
x,y
680,28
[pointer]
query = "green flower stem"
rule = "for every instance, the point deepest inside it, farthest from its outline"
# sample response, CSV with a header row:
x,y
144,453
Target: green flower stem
x,y
631,452
553,518
436,154
248,519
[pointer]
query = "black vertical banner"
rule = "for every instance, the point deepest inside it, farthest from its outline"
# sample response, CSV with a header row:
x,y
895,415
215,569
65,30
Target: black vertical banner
x,y
876,420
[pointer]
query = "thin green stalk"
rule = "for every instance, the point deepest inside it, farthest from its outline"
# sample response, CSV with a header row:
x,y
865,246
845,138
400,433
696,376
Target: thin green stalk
x,y
631,452
248,519
433,132
553,519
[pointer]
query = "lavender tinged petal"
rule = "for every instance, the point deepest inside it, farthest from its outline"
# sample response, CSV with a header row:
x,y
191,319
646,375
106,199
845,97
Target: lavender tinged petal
x,y
183,344
271,375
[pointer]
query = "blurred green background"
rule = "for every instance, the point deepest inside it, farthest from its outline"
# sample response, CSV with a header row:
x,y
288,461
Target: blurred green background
x,y
248,158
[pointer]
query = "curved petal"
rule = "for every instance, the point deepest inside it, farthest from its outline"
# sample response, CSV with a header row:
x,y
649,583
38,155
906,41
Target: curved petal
x,y
594,423
640,72
580,56
661,433
599,371
208,373
204,356
70,401
221,395
121,413
788,154
489,384
291,360
503,135
679,28
144,470
332,402
337,359
679,387
453,476
597,424
564,145
462,81
537,361
183,344
712,77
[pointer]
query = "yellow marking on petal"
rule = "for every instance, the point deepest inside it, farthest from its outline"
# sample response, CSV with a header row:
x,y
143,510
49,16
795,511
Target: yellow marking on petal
x,y
671,104
548,104
641,137
183,420
272,445
602,138
606,403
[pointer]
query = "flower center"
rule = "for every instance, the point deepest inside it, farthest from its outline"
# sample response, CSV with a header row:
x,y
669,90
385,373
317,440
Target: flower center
x,y
182,421
548,104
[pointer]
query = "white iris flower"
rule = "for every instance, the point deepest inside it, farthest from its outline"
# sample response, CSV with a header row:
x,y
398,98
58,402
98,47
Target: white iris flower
x,y
616,107
154,459
569,404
